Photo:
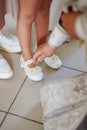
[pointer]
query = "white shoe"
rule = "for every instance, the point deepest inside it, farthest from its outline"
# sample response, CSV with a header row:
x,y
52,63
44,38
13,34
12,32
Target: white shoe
x,y
54,62
5,70
9,42
34,73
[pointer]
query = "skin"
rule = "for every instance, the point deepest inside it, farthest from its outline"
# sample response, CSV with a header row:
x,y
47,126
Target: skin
x,y
68,22
32,11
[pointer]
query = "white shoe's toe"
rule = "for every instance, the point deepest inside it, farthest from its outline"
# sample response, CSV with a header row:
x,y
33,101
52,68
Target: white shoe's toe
x,y
34,73
5,70
9,43
54,62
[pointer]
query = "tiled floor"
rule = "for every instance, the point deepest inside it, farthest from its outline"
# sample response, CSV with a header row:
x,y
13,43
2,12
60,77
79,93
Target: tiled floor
x,y
20,107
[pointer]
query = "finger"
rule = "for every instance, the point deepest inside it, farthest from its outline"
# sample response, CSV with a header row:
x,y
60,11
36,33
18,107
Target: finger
x,y
35,56
41,58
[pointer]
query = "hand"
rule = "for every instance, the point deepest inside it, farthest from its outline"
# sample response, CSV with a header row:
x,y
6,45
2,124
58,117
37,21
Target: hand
x,y
42,52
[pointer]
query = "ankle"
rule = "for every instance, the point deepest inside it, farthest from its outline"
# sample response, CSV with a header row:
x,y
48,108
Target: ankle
x,y
42,41
25,57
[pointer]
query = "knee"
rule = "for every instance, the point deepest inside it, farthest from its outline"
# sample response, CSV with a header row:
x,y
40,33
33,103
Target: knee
x,y
43,11
27,18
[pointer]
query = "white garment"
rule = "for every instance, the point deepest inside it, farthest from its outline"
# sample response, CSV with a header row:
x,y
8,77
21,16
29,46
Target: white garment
x,y
81,26
55,12
64,103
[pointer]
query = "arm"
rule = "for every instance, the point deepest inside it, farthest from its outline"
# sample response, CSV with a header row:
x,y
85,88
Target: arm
x,y
58,37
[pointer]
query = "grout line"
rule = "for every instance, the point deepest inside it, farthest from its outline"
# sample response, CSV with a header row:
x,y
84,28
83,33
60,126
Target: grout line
x,y
13,102
3,119
3,111
17,93
20,117
73,68
26,118
16,97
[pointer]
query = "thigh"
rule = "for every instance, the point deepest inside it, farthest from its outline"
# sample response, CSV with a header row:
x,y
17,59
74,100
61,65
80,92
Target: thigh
x,y
29,6
45,5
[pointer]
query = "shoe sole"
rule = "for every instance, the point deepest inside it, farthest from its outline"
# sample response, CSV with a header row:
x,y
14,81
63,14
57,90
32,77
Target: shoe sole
x,y
8,50
52,66
8,76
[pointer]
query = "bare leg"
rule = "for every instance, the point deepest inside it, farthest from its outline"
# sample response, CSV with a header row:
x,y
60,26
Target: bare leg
x,y
42,24
28,11
42,21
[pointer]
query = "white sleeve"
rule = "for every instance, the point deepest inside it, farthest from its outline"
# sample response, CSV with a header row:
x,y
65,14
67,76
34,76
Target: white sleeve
x,y
58,36
81,26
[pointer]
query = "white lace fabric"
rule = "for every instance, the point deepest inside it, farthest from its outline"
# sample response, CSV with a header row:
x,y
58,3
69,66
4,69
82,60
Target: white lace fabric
x,y
64,103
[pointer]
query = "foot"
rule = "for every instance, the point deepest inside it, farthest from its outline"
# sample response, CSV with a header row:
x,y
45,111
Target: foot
x,y
53,62
33,72
9,42
5,70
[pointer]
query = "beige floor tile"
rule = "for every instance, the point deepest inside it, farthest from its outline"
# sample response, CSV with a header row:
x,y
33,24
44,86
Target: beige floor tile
x,y
73,55
61,73
1,116
27,103
16,123
10,87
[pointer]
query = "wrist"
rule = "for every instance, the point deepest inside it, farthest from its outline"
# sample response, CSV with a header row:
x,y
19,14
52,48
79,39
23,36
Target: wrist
x,y
51,46
51,49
